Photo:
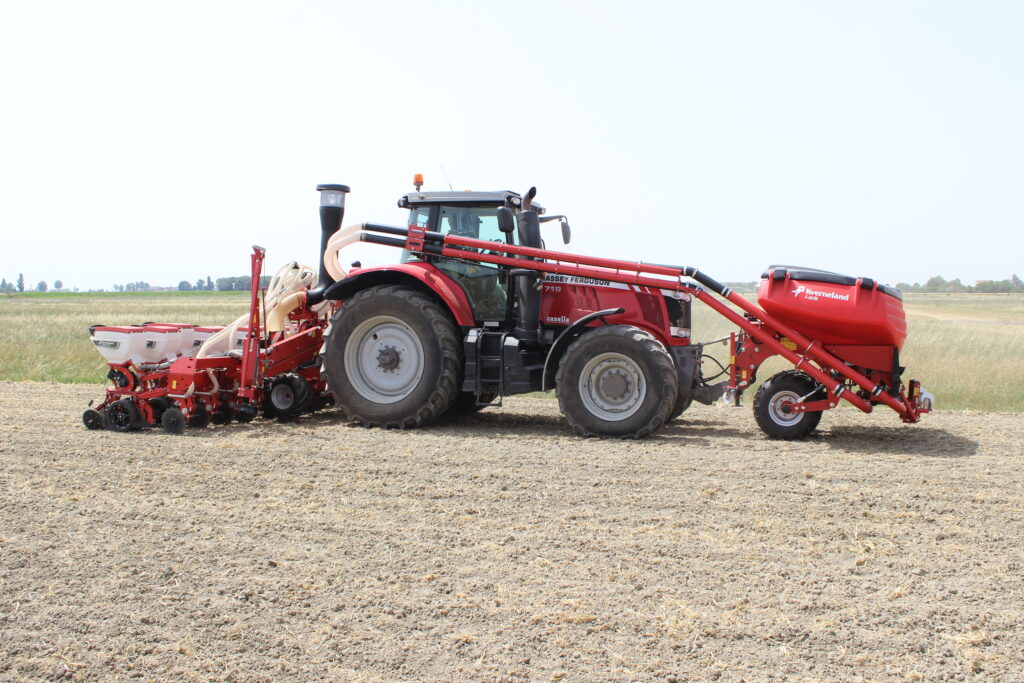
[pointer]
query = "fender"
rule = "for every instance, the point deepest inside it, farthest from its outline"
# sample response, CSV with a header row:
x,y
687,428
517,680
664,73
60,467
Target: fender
x,y
568,335
418,275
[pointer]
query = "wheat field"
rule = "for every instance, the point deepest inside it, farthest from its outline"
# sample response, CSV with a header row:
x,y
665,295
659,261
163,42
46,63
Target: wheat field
x,y
967,349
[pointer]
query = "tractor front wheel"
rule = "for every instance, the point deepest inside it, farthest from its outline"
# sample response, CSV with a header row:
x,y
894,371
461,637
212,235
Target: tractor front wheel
x,y
616,381
393,358
772,406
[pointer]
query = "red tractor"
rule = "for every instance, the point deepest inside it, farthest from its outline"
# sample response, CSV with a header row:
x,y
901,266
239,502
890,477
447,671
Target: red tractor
x,y
478,309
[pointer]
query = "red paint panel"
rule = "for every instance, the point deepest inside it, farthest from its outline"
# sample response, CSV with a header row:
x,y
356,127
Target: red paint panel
x,y
833,313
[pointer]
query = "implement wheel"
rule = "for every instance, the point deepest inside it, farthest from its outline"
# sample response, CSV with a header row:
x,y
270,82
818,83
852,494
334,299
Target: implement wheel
x,y
289,396
173,421
772,401
616,381
94,419
123,416
393,358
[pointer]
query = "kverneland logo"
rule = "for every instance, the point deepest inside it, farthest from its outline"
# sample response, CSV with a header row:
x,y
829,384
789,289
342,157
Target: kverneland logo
x,y
814,294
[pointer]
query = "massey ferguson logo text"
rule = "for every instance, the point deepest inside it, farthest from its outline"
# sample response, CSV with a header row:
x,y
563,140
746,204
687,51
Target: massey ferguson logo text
x,y
815,294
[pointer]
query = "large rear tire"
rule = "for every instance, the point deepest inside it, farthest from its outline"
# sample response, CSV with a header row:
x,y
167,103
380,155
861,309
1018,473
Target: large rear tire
x,y
616,381
773,399
393,358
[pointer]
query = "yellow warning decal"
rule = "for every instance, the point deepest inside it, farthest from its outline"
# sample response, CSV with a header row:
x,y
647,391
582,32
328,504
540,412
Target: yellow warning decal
x,y
788,343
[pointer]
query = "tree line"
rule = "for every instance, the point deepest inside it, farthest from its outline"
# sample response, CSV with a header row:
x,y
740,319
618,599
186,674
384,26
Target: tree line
x,y
940,284
19,286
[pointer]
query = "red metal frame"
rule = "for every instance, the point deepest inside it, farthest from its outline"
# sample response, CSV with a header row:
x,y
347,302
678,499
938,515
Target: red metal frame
x,y
764,329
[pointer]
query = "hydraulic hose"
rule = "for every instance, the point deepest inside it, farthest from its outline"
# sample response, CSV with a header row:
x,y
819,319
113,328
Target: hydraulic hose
x,y
289,280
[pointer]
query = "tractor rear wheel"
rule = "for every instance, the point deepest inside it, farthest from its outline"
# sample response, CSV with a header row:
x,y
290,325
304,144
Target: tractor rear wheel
x,y
616,381
393,358
772,401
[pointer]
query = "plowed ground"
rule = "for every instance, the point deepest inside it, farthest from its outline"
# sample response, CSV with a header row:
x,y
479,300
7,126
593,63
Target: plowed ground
x,y
503,547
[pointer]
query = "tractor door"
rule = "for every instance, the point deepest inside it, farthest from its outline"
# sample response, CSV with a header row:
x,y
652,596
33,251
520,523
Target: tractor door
x,y
487,295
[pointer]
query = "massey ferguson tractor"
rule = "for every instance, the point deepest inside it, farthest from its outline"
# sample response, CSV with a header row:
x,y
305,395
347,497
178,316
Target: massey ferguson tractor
x,y
477,308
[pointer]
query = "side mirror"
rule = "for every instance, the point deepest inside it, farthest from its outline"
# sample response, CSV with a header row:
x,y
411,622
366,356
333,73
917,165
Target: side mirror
x,y
506,223
566,232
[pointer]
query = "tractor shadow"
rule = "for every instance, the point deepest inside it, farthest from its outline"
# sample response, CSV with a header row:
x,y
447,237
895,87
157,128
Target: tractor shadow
x,y
930,442
503,423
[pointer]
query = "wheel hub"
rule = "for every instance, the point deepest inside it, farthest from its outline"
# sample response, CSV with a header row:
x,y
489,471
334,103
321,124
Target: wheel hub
x,y
615,384
780,409
388,359
384,359
612,386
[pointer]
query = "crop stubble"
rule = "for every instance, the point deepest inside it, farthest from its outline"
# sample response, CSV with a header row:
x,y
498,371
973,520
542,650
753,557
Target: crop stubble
x,y
502,547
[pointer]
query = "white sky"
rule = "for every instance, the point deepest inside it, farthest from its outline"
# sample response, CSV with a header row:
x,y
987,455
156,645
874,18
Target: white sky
x,y
158,141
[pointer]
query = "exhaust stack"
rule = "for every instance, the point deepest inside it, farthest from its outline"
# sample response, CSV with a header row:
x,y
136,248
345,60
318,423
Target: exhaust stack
x,y
332,210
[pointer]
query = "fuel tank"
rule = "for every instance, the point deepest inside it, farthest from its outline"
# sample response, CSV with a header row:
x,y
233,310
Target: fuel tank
x,y
834,308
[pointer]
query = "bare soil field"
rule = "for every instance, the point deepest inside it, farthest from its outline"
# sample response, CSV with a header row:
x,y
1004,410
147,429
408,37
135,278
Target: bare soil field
x,y
502,547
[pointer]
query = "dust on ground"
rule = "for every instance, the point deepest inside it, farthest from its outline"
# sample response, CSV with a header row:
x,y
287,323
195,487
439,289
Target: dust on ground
x,y
502,547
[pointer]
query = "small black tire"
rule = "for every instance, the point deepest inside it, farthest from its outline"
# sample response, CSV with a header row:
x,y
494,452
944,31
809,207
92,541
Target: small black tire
x,y
94,419
321,401
123,415
770,403
158,405
288,397
466,404
616,381
173,421
223,414
393,358
200,418
245,414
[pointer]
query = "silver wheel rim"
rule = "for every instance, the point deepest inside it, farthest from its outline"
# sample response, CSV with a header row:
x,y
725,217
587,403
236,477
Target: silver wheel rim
x,y
612,386
384,359
779,417
282,396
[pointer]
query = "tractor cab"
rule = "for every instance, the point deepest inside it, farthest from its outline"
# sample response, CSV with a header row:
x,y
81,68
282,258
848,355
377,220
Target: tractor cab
x,y
474,215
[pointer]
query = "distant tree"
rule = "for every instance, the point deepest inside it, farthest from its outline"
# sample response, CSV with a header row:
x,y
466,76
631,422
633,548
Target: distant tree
x,y
21,282
58,284
209,284
200,283
184,286
41,287
3,284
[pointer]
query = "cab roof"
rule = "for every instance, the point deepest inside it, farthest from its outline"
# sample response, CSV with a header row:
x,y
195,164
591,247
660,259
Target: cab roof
x,y
508,198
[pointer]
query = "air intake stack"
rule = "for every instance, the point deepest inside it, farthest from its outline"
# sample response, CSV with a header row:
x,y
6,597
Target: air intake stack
x,y
332,210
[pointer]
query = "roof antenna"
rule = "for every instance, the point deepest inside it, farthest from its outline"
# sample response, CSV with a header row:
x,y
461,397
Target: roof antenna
x,y
446,178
